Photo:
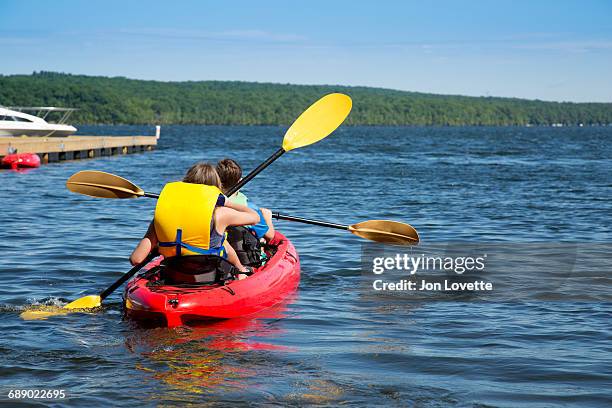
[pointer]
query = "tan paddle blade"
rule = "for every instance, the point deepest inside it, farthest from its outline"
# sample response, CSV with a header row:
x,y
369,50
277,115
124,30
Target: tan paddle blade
x,y
39,313
318,121
103,185
386,232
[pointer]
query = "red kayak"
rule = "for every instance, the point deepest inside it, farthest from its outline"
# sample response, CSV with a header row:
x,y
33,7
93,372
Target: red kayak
x,y
20,161
149,301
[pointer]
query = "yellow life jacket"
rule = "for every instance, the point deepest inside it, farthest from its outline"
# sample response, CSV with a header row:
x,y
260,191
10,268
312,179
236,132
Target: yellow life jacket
x,y
183,218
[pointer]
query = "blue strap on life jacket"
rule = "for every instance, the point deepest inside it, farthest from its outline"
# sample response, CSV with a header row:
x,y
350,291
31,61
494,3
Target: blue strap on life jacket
x,y
178,244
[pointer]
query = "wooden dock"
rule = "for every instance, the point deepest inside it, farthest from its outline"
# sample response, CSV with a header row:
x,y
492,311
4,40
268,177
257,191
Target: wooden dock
x,y
54,149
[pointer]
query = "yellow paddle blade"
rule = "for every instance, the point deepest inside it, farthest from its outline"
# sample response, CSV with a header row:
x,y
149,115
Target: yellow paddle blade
x,y
318,121
103,185
386,232
86,302
43,312
79,305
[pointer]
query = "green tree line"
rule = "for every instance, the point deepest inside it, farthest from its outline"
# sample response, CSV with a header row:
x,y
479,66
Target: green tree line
x,y
119,100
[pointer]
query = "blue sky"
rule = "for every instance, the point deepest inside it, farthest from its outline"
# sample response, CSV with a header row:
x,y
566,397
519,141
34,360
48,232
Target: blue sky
x,y
551,50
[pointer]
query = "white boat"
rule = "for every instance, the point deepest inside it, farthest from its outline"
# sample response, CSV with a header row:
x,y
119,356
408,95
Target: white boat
x,y
15,122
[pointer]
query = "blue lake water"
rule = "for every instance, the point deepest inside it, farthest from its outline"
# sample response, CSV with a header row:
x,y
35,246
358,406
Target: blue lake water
x,y
329,345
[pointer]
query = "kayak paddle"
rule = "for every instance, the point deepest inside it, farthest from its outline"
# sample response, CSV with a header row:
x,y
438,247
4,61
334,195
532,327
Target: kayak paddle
x,y
106,185
383,231
315,123
85,302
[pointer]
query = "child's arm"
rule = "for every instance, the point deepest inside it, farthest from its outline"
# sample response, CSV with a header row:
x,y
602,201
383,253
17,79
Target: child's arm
x,y
145,246
233,215
267,215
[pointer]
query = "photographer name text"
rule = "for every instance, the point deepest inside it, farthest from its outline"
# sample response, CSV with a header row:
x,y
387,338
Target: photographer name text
x,y
426,286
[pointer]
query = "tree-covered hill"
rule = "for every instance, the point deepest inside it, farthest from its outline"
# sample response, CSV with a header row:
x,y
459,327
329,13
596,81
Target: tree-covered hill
x,y
128,101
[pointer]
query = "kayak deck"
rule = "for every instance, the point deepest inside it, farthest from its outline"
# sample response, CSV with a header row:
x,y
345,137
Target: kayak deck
x,y
171,306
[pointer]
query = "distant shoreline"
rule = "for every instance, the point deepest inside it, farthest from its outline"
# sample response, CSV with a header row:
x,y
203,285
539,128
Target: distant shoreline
x,y
353,125
103,100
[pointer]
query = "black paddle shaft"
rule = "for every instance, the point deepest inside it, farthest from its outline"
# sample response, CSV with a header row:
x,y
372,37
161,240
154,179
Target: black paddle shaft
x,y
311,222
126,276
255,172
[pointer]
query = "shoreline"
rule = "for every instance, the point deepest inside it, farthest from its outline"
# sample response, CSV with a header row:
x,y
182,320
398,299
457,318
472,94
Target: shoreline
x,y
354,125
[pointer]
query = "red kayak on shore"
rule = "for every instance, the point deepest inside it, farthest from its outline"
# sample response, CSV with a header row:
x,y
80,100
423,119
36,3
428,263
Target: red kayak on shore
x,y
20,161
149,299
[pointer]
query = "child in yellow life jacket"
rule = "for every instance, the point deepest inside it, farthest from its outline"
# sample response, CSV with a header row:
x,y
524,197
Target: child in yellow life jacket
x,y
230,173
191,217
